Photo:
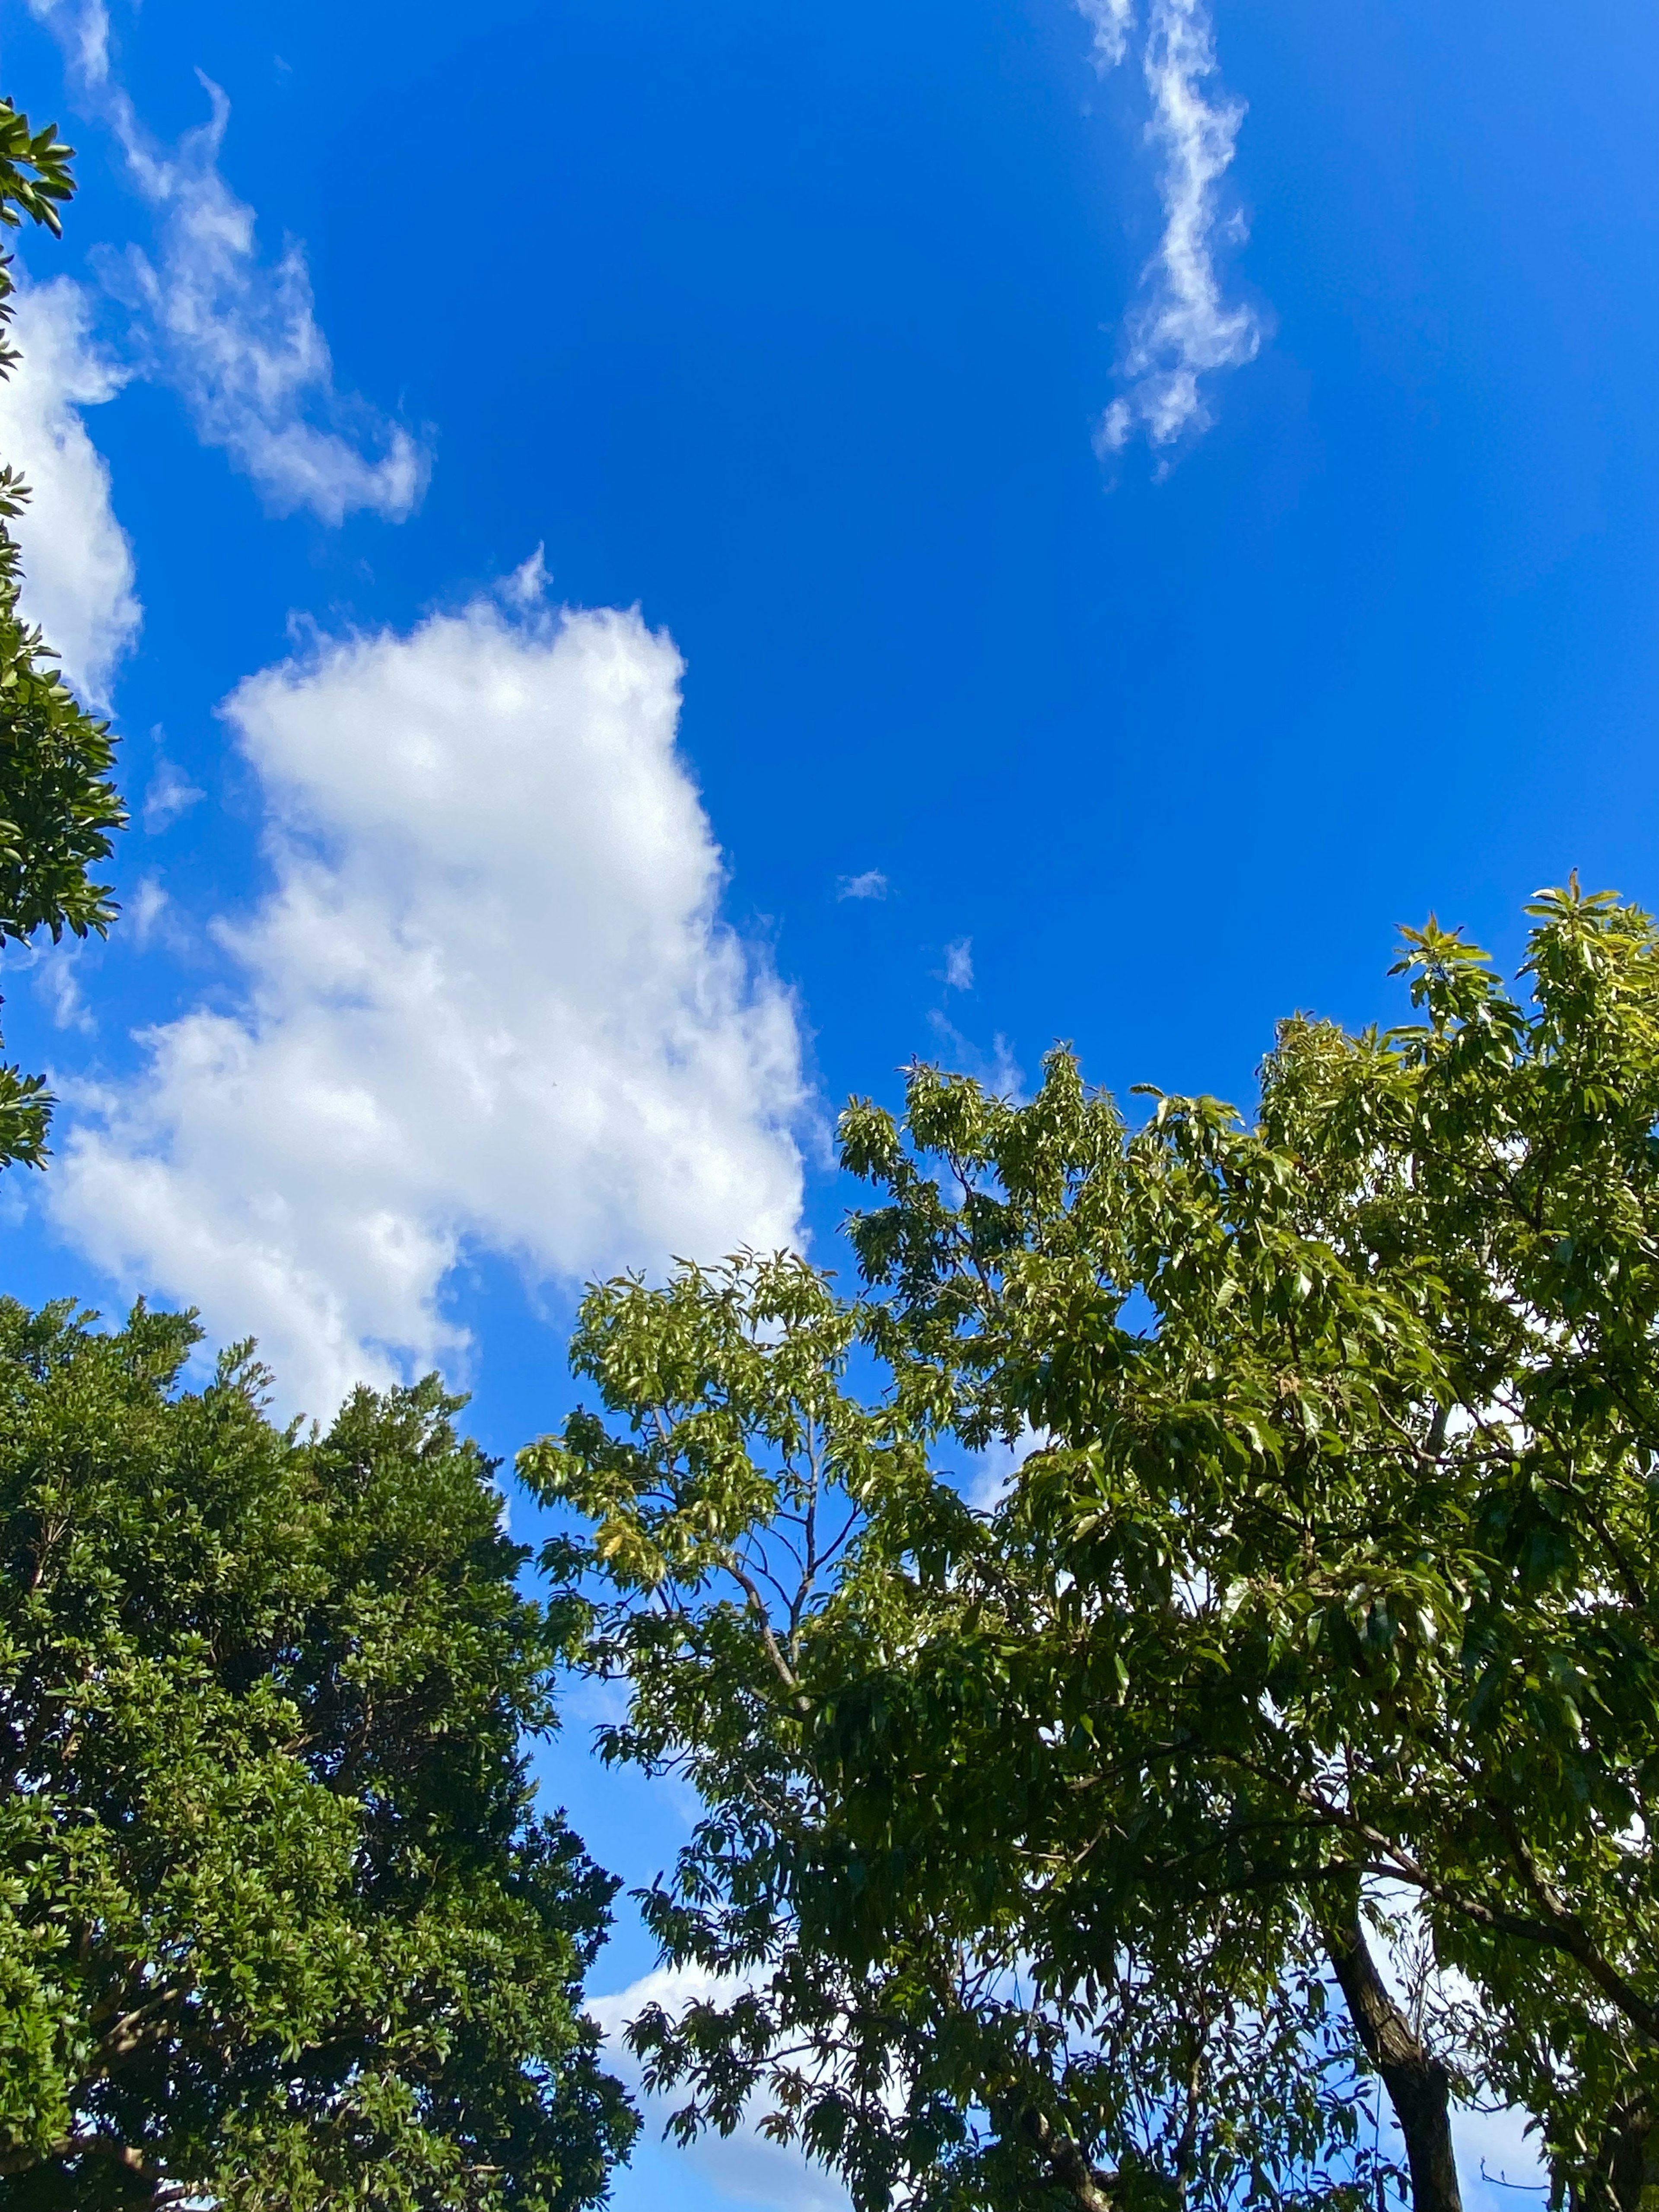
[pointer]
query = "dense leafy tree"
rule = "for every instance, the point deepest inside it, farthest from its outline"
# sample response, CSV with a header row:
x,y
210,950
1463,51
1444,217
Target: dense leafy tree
x,y
58,809
279,1927
775,1547
1317,1634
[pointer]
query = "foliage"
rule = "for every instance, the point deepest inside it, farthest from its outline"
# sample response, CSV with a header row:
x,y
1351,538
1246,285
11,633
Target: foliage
x,y
771,1542
58,809
1321,1598
279,1930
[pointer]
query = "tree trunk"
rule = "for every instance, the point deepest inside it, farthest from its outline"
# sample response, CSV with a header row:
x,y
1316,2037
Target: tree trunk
x,y
67,2157
1626,2175
1068,2166
1090,2188
1418,2084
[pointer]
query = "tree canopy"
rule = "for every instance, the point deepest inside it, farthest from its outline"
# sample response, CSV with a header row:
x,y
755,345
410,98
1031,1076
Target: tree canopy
x,y
1291,1715
280,1928
58,809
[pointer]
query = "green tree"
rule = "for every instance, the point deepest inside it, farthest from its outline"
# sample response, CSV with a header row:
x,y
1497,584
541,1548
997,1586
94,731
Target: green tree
x,y
773,1547
1320,1610
280,1928
58,809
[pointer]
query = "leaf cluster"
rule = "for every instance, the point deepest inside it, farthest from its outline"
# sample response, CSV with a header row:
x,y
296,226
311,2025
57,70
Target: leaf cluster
x,y
1321,1604
794,1599
279,1925
58,807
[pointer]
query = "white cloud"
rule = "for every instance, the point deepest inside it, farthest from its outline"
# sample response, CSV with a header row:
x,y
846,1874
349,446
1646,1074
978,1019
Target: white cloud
x,y
81,28
1111,20
1182,329
995,1466
671,1987
239,341
959,965
78,572
997,1071
1498,2153
529,583
237,338
147,912
488,1003
746,2166
58,987
171,793
872,885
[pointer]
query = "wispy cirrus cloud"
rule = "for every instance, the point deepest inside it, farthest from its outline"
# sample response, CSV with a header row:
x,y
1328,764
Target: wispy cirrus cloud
x,y
872,885
171,793
82,29
1182,329
997,1071
236,335
1111,20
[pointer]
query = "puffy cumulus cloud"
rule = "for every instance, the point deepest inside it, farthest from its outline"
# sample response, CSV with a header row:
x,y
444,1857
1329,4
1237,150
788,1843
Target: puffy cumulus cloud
x,y
489,1002
746,2166
78,572
1182,329
236,336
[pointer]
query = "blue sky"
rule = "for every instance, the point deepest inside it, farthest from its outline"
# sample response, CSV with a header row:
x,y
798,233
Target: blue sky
x,y
1127,534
